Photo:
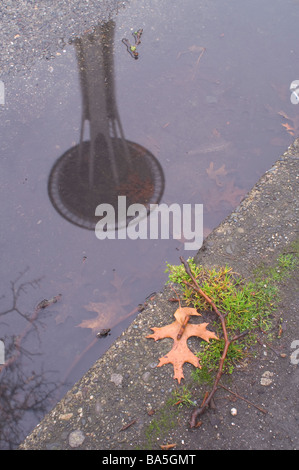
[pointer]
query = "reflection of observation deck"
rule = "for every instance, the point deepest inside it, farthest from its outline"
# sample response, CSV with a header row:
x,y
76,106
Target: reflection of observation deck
x,y
106,166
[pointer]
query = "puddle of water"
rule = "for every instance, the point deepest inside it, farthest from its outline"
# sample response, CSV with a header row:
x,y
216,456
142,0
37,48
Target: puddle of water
x,y
198,114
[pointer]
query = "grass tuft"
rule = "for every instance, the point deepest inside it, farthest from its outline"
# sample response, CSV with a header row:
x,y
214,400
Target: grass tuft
x,y
248,305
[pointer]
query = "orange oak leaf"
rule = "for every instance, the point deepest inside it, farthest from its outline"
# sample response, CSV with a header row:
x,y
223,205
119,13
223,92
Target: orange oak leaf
x,y
112,310
214,174
232,194
180,352
228,194
109,314
289,128
167,446
292,127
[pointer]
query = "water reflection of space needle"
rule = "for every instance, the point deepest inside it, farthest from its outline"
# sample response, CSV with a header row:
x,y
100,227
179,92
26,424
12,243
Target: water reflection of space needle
x,y
105,166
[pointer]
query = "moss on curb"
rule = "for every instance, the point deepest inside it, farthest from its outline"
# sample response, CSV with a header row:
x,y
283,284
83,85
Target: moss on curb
x,y
249,305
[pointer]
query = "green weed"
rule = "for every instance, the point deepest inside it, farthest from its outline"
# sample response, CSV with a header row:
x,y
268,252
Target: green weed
x,y
165,421
248,306
182,397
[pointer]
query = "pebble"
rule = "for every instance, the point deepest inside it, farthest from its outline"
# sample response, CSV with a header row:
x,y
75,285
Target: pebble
x,y
65,416
229,250
266,378
117,379
76,438
98,408
146,377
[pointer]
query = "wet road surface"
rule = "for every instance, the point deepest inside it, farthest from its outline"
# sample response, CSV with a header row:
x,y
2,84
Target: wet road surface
x,y
203,112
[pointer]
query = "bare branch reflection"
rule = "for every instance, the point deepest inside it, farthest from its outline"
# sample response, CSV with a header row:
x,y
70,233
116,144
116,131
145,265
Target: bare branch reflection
x,y
24,396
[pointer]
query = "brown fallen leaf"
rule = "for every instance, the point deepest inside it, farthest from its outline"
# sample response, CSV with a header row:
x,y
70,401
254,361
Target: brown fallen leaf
x,y
167,446
180,352
292,126
232,194
283,114
227,194
214,174
109,314
110,311
289,128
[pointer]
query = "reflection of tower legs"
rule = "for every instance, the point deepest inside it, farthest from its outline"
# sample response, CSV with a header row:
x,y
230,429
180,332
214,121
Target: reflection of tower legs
x,y
105,165
95,60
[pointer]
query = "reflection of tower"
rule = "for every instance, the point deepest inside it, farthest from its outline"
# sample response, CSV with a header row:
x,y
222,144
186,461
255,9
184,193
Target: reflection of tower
x,y
107,165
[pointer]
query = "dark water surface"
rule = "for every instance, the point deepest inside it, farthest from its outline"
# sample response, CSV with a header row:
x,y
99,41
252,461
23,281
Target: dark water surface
x,y
206,110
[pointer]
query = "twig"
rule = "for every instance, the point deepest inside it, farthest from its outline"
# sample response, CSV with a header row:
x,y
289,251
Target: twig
x,y
132,49
264,343
200,55
242,398
197,62
200,410
183,326
187,318
126,426
204,398
137,36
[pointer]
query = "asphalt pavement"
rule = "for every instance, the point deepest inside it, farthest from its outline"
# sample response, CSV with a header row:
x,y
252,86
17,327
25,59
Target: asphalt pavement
x,y
33,30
